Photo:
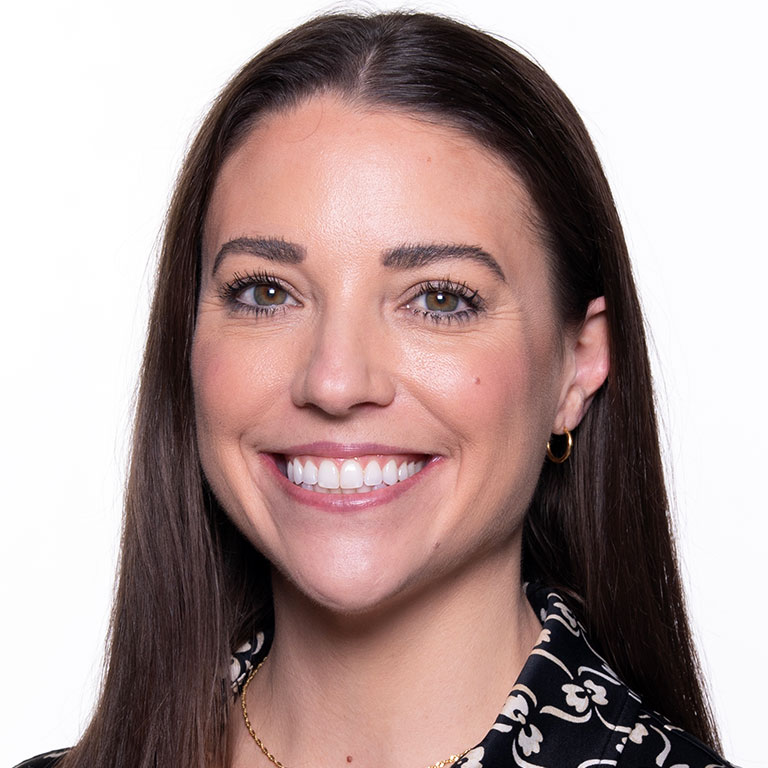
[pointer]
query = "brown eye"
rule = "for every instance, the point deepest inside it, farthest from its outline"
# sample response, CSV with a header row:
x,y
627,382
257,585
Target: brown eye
x,y
266,295
441,301
444,301
258,294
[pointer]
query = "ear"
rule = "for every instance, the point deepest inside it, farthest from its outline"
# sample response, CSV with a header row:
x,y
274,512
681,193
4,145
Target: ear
x,y
587,361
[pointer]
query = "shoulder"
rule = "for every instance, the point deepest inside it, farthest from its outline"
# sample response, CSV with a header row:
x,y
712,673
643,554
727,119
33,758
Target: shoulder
x,y
46,760
655,742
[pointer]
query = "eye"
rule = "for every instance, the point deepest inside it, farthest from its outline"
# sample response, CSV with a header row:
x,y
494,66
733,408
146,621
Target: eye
x,y
445,301
441,301
257,292
265,295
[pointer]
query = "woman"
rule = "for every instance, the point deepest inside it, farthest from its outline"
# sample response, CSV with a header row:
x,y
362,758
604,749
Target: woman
x,y
395,441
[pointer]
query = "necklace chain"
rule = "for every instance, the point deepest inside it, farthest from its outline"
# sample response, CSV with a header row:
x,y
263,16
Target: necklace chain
x,y
272,759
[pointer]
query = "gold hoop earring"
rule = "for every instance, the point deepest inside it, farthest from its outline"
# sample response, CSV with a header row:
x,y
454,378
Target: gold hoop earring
x,y
560,459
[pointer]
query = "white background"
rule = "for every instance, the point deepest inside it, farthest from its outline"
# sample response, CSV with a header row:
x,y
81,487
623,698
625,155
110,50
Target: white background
x,y
99,103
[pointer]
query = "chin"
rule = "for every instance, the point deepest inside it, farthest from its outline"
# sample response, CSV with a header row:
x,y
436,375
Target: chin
x,y
345,584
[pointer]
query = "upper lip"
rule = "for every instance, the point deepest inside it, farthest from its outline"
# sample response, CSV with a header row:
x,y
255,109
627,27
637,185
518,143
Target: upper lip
x,y
345,450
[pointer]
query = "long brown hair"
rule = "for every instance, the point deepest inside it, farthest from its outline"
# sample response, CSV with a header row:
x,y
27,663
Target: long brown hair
x,y
190,588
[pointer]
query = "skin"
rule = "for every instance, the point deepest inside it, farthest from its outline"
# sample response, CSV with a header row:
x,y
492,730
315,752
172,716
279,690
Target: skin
x,y
381,609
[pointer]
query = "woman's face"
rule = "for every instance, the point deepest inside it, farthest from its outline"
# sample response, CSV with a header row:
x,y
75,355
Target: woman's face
x,y
376,310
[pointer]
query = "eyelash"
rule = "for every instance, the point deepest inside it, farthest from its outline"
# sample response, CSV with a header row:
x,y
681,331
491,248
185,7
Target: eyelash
x,y
475,303
231,292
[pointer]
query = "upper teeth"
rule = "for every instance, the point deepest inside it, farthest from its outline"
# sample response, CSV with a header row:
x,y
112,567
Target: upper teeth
x,y
326,475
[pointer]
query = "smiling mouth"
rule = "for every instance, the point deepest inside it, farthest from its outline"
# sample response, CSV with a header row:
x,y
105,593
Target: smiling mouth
x,y
363,474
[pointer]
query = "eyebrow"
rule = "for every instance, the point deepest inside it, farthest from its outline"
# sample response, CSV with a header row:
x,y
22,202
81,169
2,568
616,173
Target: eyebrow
x,y
413,256
268,248
401,257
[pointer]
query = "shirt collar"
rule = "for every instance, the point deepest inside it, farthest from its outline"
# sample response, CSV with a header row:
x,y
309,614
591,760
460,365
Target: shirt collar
x,y
566,700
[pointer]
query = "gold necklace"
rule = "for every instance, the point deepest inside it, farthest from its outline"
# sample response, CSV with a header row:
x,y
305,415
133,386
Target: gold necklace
x,y
272,759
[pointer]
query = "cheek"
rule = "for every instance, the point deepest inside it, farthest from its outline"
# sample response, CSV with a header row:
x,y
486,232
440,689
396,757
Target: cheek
x,y
492,392
233,385
500,393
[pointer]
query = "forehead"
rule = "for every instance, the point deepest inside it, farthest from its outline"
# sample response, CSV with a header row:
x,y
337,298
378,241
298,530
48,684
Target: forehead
x,y
335,172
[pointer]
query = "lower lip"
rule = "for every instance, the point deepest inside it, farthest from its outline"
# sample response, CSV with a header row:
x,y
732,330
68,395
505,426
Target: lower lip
x,y
344,502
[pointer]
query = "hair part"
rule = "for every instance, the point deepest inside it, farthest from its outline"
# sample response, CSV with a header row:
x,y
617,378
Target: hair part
x,y
191,588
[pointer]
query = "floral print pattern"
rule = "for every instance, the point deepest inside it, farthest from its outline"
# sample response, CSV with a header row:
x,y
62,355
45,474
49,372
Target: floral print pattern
x,y
568,709
580,698
243,660
516,709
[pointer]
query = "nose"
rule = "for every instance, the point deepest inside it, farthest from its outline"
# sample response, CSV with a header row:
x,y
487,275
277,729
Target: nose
x,y
345,367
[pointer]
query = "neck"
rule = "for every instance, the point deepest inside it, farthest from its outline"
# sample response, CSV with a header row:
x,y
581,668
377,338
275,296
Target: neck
x,y
430,670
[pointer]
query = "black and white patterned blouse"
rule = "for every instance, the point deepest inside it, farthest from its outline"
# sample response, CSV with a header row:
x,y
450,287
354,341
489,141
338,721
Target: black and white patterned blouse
x,y
568,709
